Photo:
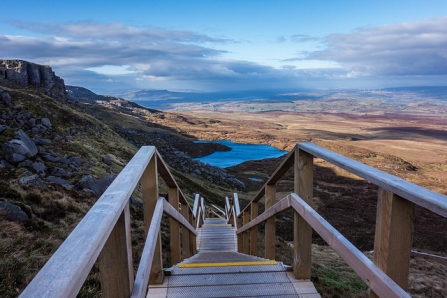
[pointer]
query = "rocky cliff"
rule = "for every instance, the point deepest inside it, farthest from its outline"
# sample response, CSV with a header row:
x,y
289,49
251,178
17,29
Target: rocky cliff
x,y
26,74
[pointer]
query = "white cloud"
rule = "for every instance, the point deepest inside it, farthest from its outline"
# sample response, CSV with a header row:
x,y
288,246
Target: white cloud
x,y
415,48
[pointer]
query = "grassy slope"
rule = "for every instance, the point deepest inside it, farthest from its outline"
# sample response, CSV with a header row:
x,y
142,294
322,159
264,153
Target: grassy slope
x,y
25,247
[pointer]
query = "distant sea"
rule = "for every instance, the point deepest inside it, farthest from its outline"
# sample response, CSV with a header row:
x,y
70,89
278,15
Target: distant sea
x,y
239,153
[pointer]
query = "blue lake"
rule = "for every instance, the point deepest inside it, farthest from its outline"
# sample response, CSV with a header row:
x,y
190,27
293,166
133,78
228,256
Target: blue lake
x,y
239,153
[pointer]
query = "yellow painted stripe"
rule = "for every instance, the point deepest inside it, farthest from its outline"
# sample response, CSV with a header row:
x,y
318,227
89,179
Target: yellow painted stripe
x,y
198,265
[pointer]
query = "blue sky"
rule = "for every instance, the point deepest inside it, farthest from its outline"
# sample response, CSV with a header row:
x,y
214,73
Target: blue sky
x,y
231,45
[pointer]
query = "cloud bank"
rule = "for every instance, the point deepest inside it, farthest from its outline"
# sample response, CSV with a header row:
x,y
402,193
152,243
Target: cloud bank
x,y
416,48
161,57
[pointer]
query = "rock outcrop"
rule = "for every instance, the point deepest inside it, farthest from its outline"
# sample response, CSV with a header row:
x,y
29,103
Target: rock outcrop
x,y
26,74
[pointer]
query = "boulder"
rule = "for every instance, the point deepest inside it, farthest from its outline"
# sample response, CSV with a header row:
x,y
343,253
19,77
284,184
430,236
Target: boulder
x,y
39,167
3,128
33,180
15,158
76,160
24,164
46,122
97,186
24,145
14,212
4,164
107,160
58,172
6,98
59,181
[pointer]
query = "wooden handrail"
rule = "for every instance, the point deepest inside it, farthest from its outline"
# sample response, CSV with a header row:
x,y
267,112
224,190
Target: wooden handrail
x,y
417,194
65,272
174,214
375,278
109,241
394,224
285,165
144,268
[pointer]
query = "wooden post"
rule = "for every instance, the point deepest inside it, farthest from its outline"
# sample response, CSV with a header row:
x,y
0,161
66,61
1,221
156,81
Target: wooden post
x,y
254,230
240,238
246,236
149,186
394,236
192,237
115,260
270,224
185,233
174,228
302,231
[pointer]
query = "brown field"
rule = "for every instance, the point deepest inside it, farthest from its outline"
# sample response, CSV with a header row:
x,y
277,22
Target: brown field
x,y
411,145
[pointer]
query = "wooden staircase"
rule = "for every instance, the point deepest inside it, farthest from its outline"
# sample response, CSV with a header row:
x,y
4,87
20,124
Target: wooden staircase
x,y
218,270
226,264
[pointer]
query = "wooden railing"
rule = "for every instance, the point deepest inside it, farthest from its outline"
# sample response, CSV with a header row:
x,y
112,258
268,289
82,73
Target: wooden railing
x,y
104,235
387,275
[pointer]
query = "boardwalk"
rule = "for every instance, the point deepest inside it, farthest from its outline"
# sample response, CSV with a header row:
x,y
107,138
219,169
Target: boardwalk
x,y
218,270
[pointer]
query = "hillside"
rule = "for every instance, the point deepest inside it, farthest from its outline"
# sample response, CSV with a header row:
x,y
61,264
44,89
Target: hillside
x,y
59,153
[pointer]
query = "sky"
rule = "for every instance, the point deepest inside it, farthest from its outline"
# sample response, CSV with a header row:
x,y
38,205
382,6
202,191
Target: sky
x,y
217,45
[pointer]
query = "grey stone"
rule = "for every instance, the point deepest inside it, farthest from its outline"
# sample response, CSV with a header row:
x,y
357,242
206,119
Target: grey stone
x,y
107,160
58,172
96,186
14,212
6,98
46,122
3,128
59,181
33,180
15,158
39,167
77,160
50,157
24,145
135,202
24,164
4,164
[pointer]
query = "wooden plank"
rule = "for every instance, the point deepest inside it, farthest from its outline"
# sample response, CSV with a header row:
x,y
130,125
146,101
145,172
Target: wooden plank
x,y
196,206
302,231
254,230
394,236
286,164
192,236
174,214
65,272
149,186
279,207
115,260
145,268
174,228
236,204
186,247
270,224
375,278
417,194
240,238
246,235
227,208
